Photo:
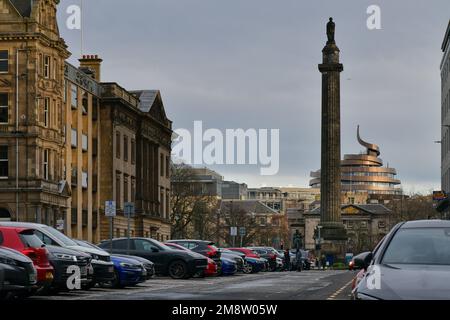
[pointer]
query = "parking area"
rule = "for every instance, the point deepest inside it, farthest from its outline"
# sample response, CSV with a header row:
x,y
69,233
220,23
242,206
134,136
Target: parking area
x,y
306,285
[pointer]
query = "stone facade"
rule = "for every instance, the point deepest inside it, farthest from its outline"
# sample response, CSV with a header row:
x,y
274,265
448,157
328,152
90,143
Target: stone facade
x,y
61,130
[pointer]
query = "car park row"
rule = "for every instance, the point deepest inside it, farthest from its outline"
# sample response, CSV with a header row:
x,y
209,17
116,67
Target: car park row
x,y
37,259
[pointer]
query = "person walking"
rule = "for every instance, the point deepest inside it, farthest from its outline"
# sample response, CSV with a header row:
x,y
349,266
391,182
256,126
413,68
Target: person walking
x,y
287,260
299,259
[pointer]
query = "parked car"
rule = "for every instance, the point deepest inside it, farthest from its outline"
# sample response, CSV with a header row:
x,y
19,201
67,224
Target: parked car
x,y
211,269
240,262
229,267
248,252
148,265
102,267
25,241
168,261
18,275
206,248
61,260
414,253
254,265
128,272
271,256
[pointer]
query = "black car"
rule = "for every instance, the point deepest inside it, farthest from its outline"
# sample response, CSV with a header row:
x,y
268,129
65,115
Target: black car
x,y
17,274
62,259
411,263
175,263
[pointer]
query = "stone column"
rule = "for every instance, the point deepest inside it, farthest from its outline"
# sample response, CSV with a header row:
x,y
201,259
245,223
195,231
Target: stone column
x,y
333,228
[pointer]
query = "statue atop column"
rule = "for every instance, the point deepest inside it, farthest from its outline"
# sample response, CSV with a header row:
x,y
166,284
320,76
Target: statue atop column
x,y
331,29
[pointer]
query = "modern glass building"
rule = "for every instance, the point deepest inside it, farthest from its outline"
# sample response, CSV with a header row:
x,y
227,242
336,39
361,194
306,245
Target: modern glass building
x,y
365,172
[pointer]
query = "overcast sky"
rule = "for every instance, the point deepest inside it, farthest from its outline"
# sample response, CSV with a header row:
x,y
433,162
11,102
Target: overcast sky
x,y
253,64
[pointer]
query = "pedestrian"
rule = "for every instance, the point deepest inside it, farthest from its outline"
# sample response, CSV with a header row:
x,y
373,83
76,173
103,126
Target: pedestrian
x,y
299,259
287,260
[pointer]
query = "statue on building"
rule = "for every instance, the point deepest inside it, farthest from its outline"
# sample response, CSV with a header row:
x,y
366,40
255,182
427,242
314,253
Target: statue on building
x,y
331,29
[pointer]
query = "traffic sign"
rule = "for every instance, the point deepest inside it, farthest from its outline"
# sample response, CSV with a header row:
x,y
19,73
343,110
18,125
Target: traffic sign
x,y
242,231
110,208
129,209
233,231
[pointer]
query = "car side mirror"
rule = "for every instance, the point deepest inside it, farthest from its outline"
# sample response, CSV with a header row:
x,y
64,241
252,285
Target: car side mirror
x,y
155,250
363,260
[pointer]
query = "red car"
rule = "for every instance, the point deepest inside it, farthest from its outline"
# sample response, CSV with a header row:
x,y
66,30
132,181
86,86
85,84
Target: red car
x,y
211,269
248,252
25,241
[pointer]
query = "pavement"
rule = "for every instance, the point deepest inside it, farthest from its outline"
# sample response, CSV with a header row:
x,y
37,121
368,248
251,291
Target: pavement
x,y
305,285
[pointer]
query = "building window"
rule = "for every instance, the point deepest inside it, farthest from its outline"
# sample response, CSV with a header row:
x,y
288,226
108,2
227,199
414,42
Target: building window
x,y
118,145
118,185
161,204
45,165
133,189
84,180
4,162
46,112
167,205
84,143
85,102
46,67
74,96
125,188
125,148
133,151
74,138
161,160
65,91
55,69
167,166
4,108
4,61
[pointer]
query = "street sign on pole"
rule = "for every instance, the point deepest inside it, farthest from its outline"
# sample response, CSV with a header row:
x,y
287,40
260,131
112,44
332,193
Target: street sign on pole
x,y
242,231
128,209
110,211
233,231
110,208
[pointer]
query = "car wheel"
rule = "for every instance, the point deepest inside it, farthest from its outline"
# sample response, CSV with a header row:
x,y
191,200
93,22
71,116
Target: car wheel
x,y
178,270
116,282
248,268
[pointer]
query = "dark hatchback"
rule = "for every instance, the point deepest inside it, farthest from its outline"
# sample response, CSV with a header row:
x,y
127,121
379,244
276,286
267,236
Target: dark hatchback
x,y
62,259
17,274
175,263
411,263
205,248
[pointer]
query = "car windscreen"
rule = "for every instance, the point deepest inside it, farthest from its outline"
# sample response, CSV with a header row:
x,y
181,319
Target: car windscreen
x,y
424,246
61,237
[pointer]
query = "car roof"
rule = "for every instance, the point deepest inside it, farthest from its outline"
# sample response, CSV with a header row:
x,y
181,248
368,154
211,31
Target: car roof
x,y
426,224
189,240
22,224
18,229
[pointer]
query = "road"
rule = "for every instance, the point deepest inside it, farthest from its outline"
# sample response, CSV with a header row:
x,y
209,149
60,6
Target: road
x,y
306,285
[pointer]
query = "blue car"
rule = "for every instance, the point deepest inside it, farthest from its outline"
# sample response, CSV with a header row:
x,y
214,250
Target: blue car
x,y
253,265
128,272
229,267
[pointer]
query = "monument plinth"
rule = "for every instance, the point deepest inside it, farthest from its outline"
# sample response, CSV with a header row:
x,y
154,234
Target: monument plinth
x,y
333,231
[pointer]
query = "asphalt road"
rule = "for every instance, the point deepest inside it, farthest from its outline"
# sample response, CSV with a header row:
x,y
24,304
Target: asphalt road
x,y
306,285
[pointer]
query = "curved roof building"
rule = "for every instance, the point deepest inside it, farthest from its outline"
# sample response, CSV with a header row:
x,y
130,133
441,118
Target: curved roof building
x,y
365,173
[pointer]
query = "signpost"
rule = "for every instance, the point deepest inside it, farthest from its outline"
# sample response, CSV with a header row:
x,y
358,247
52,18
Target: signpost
x,y
242,233
129,210
110,211
233,234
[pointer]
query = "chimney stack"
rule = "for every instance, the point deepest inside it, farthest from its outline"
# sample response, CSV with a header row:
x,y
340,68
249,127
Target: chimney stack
x,y
92,62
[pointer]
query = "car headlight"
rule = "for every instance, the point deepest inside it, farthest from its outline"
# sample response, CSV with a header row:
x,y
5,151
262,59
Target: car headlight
x,y
95,257
8,261
64,256
128,265
362,296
